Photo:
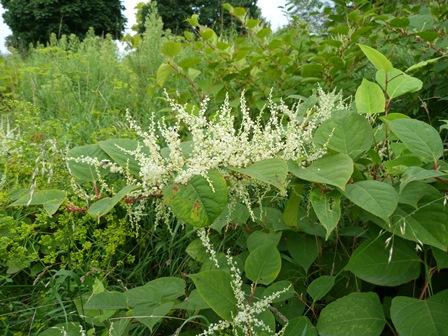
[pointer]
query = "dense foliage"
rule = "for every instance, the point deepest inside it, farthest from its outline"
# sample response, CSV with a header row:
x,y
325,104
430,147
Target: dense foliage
x,y
175,13
205,184
33,21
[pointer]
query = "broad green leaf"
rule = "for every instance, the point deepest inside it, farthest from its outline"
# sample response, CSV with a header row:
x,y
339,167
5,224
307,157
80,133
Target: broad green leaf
x,y
413,192
197,251
252,23
118,327
116,149
291,212
441,258
269,218
143,295
348,133
376,58
420,138
259,238
327,207
239,12
320,287
228,7
268,318
193,73
150,315
419,22
193,20
192,302
171,48
51,200
334,170
271,171
418,174
313,70
401,163
189,62
413,317
369,98
263,264
370,262
300,326
378,198
156,292
303,248
197,202
107,300
209,34
237,214
67,329
428,224
396,83
83,171
352,315
106,204
215,289
162,74
422,64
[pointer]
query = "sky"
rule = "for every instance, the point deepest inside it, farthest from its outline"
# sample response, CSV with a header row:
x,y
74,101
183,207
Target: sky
x,y
269,8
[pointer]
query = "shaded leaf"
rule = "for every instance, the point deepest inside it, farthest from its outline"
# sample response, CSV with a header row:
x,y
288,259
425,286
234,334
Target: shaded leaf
x,y
303,249
107,300
214,288
413,317
427,224
418,174
150,315
300,326
320,287
263,264
352,315
327,207
370,262
259,238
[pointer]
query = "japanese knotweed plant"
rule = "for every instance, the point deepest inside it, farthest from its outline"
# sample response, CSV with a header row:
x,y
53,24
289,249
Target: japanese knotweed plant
x,y
355,199
215,164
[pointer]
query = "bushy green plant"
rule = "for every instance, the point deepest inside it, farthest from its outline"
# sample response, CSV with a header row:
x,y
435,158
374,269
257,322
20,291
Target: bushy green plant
x,y
340,207
252,220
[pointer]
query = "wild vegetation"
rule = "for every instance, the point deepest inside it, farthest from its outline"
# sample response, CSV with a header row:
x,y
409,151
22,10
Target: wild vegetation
x,y
230,182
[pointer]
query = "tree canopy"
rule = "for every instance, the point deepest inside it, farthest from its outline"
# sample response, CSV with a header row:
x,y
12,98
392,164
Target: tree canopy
x,y
175,12
33,21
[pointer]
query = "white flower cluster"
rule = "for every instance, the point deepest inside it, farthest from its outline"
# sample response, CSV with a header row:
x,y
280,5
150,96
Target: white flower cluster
x,y
205,240
246,319
9,137
228,139
217,142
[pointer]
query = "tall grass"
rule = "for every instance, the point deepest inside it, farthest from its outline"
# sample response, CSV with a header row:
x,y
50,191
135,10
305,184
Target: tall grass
x,y
88,85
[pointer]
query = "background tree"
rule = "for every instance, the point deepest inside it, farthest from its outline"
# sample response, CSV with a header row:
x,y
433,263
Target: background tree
x,y
33,21
211,13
